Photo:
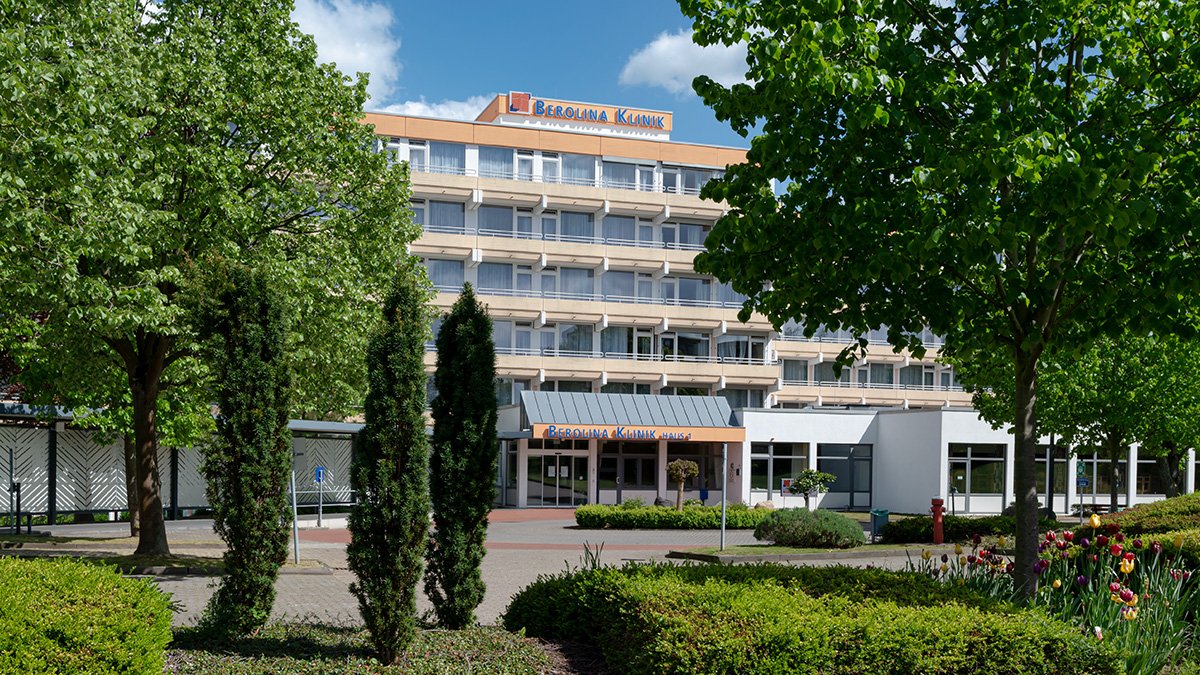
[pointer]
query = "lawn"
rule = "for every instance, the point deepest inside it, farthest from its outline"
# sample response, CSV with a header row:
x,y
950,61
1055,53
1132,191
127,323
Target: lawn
x,y
770,549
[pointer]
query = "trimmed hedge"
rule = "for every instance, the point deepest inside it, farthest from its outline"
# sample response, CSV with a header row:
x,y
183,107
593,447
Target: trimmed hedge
x,y
919,529
812,529
62,616
600,516
1166,515
770,619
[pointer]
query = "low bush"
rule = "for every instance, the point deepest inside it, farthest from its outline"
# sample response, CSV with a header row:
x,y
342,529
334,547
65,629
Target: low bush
x,y
62,616
810,529
919,529
1165,515
770,619
600,516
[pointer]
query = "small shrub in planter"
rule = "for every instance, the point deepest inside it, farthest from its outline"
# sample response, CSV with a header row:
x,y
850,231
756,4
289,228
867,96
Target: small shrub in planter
x,y
810,529
62,616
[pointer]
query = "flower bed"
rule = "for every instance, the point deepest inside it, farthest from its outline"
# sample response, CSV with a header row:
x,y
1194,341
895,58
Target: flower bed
x,y
637,517
919,529
770,619
1136,594
1165,515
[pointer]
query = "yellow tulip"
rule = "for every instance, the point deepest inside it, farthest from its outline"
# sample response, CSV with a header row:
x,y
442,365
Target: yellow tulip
x,y
943,568
1094,521
1057,583
925,555
958,549
1178,542
962,560
1129,614
1001,541
1126,566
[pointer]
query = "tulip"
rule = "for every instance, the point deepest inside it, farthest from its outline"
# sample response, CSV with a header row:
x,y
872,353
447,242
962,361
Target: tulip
x,y
1085,542
1178,541
1102,540
1010,567
958,549
1062,545
925,555
1068,535
1057,583
1155,547
945,558
1115,549
1093,557
1120,536
971,559
976,539
943,567
1050,535
1130,555
1096,629
1094,521
1114,587
1137,543
962,560
1129,613
1113,528
1064,555
1082,580
1001,542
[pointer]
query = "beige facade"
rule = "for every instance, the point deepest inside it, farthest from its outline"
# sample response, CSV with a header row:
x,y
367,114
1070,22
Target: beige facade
x,y
581,241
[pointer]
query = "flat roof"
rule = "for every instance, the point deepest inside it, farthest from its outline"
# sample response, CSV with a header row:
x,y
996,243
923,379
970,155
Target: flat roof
x,y
644,410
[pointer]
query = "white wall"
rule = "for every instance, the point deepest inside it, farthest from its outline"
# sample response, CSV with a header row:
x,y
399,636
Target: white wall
x,y
909,460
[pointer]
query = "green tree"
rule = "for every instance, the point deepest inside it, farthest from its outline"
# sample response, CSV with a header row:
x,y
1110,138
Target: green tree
x,y
679,471
389,525
248,463
138,144
463,466
809,483
1018,176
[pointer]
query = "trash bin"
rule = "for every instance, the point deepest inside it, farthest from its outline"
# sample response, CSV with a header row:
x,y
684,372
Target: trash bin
x,y
879,518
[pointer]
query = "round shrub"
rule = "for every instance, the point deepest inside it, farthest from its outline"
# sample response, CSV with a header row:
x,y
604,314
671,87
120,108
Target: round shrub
x,y
810,529
62,616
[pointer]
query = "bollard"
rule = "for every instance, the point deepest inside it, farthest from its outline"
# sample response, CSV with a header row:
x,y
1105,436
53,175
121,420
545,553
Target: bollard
x,y
938,510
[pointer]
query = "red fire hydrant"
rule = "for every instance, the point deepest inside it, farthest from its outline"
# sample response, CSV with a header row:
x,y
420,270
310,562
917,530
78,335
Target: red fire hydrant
x,y
938,509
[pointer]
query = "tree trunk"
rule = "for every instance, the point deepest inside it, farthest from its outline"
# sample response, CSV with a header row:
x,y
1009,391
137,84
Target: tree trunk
x,y
131,484
1113,442
145,377
1025,579
679,498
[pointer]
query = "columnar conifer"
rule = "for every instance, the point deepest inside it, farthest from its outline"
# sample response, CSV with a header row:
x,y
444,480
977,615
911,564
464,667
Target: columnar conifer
x,y
247,463
390,522
463,476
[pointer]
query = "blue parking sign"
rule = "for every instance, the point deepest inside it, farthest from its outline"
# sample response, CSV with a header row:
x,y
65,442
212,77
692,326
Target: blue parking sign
x,y
319,474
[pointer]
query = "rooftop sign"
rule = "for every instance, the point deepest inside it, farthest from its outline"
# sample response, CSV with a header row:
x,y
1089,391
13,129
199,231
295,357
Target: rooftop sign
x,y
640,433
570,112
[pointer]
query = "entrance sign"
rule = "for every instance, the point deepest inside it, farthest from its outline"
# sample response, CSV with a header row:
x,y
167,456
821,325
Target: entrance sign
x,y
319,474
1082,482
638,433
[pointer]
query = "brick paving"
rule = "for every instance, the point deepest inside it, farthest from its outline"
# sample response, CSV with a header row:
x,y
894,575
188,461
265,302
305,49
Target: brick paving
x,y
522,544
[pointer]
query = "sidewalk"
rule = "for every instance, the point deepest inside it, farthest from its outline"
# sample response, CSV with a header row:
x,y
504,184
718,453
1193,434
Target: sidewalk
x,y
522,544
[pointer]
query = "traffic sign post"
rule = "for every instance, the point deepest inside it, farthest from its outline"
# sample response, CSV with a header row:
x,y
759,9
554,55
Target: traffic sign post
x,y
319,478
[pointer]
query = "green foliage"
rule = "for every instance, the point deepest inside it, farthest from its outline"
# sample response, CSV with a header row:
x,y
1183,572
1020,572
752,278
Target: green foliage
x,y
308,649
1164,515
919,529
737,517
248,463
774,618
1018,177
139,143
810,529
679,471
463,464
61,616
389,524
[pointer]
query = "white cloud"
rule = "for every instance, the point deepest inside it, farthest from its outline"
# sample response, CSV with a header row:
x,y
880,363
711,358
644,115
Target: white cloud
x,y
467,109
672,61
356,36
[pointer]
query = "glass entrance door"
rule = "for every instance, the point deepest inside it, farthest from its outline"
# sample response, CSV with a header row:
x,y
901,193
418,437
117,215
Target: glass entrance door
x,y
557,480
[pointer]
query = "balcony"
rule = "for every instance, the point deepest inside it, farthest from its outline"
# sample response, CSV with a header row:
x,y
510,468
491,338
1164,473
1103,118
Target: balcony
x,y
528,177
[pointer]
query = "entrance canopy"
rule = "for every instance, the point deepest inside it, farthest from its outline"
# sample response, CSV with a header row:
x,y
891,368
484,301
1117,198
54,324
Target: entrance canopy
x,y
630,417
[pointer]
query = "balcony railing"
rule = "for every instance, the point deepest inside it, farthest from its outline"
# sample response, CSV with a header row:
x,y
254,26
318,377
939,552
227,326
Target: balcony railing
x,y
841,384
585,181
569,238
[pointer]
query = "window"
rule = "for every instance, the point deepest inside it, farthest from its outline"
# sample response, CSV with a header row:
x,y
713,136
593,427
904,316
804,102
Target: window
x,y
578,226
391,148
524,165
620,229
740,348
881,373
577,281
694,291
508,390
495,162
1097,468
447,158
912,376
418,156
446,275
524,342
578,169
773,463
694,345
617,285
550,164
743,398
447,217
549,278
729,297
495,276
823,373
670,179
692,235
684,391
947,379
1059,467
646,178
795,370
694,179
645,286
625,388
666,235
638,464
568,386
502,336
524,224
575,338
524,280
619,175
496,220
977,468
550,225
418,212
849,463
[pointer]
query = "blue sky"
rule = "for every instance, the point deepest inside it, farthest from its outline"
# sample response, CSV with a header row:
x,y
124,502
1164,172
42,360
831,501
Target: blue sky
x,y
446,58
